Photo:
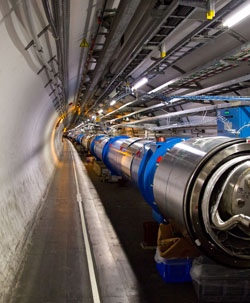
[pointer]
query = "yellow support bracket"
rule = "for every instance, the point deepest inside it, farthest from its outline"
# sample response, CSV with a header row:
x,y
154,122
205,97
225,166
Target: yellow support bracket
x,y
210,14
163,54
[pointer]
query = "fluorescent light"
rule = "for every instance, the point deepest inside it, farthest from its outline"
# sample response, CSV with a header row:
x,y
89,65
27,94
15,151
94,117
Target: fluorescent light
x,y
237,17
161,87
100,111
112,102
140,83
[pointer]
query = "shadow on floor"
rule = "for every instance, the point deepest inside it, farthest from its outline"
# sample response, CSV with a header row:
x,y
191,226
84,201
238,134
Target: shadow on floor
x,y
127,211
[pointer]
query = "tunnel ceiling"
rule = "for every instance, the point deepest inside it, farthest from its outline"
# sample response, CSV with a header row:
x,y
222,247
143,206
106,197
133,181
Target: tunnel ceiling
x,y
165,41
91,53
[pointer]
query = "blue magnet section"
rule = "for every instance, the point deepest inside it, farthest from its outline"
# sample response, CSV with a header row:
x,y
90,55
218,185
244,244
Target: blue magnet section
x,y
147,155
79,138
92,146
105,152
158,217
148,168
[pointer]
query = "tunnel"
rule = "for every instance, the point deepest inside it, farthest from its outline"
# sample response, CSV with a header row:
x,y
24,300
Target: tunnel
x,y
119,118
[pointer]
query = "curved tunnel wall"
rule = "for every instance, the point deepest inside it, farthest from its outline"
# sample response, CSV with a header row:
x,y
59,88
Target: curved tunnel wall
x,y
30,144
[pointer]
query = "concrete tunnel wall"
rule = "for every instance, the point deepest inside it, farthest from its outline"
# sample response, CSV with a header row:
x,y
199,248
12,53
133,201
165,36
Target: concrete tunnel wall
x,y
29,149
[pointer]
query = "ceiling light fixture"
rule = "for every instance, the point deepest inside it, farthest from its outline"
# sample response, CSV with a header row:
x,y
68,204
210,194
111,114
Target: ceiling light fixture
x,y
113,102
238,16
140,83
161,87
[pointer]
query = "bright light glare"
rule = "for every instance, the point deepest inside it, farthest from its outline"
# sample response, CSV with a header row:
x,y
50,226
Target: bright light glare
x,y
140,83
161,87
94,116
112,102
237,17
100,111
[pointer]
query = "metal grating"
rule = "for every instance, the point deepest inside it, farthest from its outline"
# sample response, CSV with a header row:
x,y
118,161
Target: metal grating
x,y
168,27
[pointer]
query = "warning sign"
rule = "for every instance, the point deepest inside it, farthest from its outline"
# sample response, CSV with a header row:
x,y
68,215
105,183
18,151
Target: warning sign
x,y
84,43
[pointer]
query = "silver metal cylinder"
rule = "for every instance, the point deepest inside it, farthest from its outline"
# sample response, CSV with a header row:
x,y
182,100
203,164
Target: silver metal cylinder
x,y
86,142
130,147
202,186
115,155
119,155
99,145
143,147
174,172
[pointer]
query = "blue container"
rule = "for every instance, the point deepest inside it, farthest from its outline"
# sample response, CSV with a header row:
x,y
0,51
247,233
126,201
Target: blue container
x,y
175,270
235,119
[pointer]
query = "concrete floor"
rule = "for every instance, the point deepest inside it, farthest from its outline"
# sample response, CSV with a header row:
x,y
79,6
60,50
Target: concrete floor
x,y
55,268
127,212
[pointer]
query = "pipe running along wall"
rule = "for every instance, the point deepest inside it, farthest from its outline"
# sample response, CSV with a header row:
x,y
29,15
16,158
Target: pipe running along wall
x,y
200,185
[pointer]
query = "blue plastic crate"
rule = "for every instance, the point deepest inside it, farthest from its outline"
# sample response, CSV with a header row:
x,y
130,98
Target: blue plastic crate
x,y
175,270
